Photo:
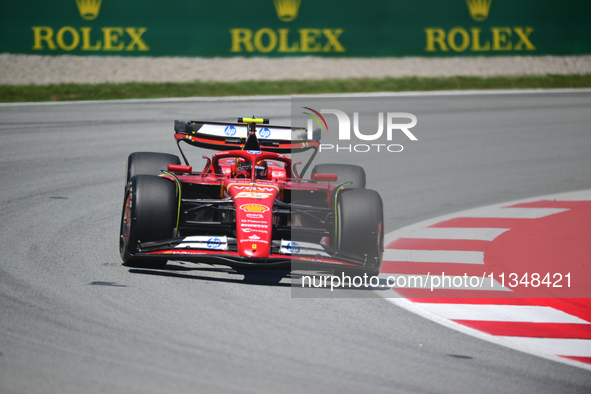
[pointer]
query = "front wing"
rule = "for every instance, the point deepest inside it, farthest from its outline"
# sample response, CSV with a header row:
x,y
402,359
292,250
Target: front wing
x,y
222,250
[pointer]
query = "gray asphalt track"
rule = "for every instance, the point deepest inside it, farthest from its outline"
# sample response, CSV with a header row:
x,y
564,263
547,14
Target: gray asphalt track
x,y
74,320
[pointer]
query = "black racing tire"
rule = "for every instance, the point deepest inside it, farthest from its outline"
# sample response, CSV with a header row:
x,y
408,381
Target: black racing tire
x,y
360,226
344,172
149,214
148,163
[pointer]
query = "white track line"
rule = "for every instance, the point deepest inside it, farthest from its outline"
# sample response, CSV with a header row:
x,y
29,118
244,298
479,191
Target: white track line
x,y
514,213
335,95
558,346
502,313
473,234
434,256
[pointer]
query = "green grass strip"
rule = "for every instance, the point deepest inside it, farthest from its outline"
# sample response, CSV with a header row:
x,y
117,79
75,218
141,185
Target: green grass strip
x,y
111,91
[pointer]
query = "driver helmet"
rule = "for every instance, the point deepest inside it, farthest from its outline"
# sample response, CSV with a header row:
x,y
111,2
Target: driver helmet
x,y
242,168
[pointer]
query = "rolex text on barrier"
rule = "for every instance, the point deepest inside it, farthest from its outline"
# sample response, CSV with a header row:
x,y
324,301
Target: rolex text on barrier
x,y
372,28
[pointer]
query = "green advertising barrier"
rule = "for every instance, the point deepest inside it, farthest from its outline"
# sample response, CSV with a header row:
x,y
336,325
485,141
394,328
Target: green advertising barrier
x,y
370,28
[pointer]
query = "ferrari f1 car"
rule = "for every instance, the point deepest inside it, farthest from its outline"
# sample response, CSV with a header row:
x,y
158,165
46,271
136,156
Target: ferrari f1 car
x,y
249,206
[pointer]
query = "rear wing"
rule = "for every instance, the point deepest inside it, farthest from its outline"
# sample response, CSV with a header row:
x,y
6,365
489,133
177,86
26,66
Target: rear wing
x,y
228,136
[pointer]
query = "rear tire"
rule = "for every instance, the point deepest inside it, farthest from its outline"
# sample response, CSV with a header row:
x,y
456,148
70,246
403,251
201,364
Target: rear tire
x,y
344,172
360,226
149,214
148,163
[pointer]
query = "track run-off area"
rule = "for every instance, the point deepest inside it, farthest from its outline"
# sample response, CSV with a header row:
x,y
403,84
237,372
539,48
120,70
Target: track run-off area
x,y
516,274
464,199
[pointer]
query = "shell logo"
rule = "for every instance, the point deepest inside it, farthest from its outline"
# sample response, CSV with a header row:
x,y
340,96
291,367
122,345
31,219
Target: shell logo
x,y
254,208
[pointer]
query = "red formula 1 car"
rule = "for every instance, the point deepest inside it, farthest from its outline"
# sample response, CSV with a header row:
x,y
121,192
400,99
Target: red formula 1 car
x,y
249,206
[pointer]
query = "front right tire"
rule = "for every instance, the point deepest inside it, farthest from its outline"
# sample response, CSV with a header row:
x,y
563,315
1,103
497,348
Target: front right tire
x,y
360,226
148,163
149,214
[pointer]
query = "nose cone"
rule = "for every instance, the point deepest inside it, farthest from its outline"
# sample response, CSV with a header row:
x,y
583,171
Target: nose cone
x,y
254,217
